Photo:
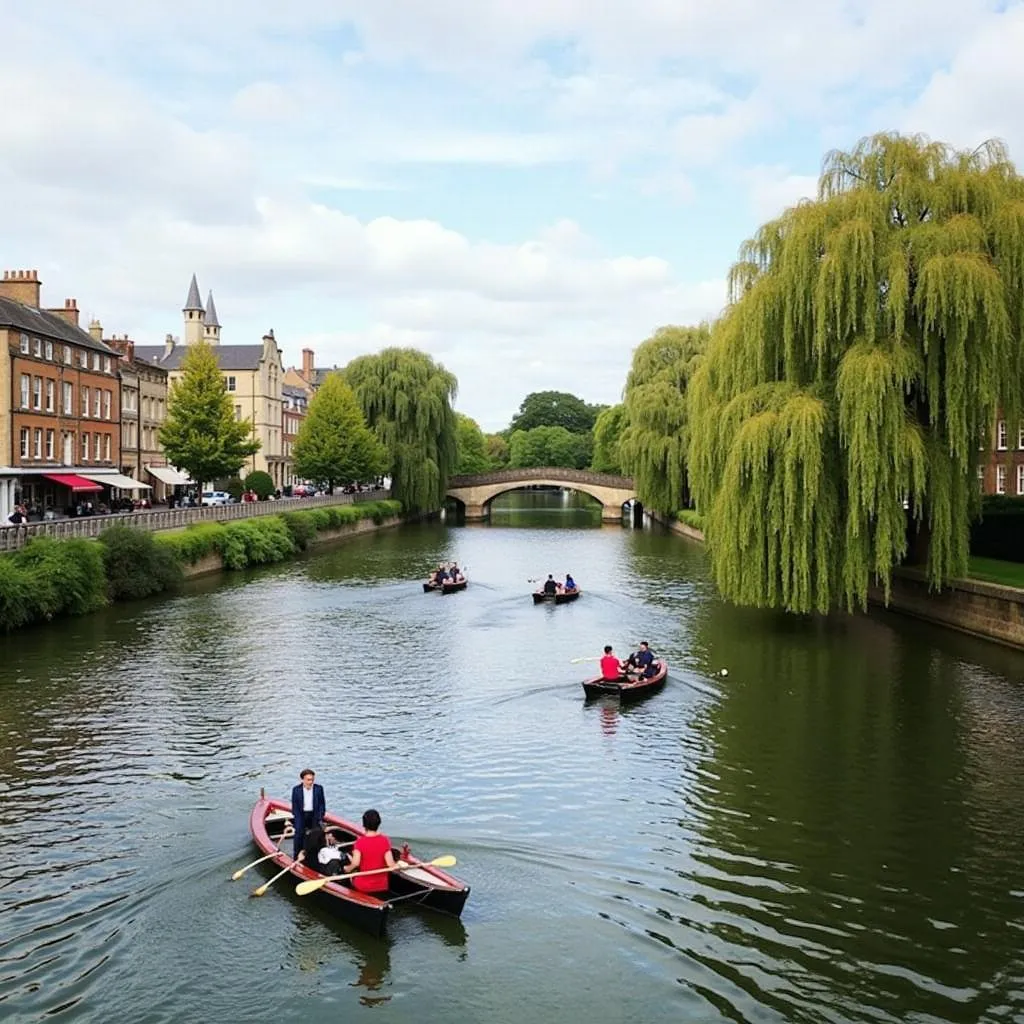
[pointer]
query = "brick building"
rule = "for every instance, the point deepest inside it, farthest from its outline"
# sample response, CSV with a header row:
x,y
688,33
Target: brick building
x,y
295,402
1004,471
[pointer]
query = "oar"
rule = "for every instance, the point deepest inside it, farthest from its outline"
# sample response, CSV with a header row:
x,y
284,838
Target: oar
x,y
576,661
241,871
305,888
266,885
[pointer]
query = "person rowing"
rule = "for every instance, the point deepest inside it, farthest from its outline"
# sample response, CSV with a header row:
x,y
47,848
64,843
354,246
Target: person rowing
x,y
640,659
550,586
611,667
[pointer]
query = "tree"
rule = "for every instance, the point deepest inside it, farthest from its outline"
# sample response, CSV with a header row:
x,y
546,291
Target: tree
x,y
497,450
472,446
201,434
549,446
260,483
653,446
870,338
554,409
407,400
334,444
607,434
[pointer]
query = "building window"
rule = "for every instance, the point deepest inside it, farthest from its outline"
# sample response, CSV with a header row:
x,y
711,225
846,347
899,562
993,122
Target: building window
x,y
1000,479
67,354
69,399
97,400
24,439
238,413
26,386
69,449
24,344
106,447
106,364
37,443
231,383
1020,478
83,360
49,350
98,446
106,405
85,447
50,389
1001,435
96,361
37,392
49,445
85,403
37,347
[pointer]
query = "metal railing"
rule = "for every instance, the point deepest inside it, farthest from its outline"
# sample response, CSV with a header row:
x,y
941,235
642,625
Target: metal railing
x,y
13,536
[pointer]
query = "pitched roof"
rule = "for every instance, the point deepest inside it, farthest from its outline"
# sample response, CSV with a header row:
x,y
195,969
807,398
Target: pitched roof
x,y
210,317
229,357
193,301
291,391
48,325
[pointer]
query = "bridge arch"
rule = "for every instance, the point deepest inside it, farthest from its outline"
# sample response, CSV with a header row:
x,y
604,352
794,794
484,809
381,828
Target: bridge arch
x,y
476,492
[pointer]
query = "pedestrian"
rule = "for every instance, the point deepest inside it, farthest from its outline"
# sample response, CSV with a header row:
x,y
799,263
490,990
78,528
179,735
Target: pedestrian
x,y
309,806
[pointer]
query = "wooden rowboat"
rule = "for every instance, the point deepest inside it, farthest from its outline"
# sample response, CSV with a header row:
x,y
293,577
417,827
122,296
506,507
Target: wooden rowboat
x,y
627,690
564,597
446,587
422,885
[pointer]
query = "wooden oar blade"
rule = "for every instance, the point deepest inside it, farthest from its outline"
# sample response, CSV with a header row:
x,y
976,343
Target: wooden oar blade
x,y
305,888
447,861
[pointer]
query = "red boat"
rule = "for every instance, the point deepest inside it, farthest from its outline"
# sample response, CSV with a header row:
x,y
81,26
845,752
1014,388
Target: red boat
x,y
422,885
627,689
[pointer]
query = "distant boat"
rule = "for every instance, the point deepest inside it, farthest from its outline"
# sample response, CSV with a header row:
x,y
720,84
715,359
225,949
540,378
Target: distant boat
x,y
447,587
627,689
559,597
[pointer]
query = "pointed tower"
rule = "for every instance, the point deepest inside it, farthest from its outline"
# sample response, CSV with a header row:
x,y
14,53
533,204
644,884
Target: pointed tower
x,y
211,325
194,314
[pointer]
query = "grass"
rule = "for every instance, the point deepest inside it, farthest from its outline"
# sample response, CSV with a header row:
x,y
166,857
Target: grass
x,y
1009,574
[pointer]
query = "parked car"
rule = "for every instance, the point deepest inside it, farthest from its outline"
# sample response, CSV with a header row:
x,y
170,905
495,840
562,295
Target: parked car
x,y
217,498
303,491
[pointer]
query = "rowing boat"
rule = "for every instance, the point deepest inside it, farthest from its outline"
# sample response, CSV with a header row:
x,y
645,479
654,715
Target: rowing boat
x,y
627,690
421,884
445,588
562,597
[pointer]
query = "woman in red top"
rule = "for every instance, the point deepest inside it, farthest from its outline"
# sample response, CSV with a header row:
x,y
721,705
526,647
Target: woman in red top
x,y
371,851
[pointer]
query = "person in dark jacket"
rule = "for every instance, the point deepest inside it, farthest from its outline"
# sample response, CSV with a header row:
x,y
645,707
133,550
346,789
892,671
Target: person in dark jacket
x,y
309,805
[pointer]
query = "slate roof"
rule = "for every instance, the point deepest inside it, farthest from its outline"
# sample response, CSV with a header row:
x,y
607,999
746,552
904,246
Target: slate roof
x,y
229,357
291,391
193,301
47,325
210,317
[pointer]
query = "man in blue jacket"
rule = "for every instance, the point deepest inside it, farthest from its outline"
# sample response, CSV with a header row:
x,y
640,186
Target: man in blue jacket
x,y
309,805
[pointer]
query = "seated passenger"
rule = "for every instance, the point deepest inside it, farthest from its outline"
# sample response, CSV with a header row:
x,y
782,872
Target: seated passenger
x,y
371,852
550,586
570,583
611,667
650,670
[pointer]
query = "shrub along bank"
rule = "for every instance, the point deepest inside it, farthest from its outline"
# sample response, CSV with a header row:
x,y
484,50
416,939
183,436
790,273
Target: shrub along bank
x,y
51,578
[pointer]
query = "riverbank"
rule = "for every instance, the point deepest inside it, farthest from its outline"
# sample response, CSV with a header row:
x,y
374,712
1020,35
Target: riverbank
x,y
49,578
990,610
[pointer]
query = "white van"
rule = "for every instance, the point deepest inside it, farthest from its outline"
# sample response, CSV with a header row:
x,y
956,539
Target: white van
x,y
217,498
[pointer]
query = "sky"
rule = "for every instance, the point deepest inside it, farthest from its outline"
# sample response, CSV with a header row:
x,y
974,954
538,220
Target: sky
x,y
525,190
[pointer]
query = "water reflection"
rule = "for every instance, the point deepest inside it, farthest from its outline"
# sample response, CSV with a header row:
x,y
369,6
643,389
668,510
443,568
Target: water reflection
x,y
545,507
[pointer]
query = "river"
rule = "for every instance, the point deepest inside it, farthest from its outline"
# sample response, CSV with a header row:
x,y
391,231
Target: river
x,y
831,832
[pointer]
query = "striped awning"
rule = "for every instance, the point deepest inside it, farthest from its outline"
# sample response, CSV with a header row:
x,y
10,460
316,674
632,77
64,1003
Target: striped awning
x,y
119,480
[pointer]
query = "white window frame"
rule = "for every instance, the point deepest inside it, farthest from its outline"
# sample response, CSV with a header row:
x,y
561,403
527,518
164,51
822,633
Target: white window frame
x,y
24,344
1001,479
97,403
67,355
37,393
85,402
97,446
1020,478
106,364
49,350
68,453
26,441
37,443
107,403
96,361
37,347
1001,436
85,446
49,444
69,399
107,448
51,394
232,383
26,390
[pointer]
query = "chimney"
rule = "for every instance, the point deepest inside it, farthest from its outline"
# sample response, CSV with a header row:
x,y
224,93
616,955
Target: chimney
x,y
21,286
307,365
168,345
123,345
69,311
95,330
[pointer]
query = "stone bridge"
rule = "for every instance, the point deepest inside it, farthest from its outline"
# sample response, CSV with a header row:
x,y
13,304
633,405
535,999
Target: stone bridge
x,y
477,491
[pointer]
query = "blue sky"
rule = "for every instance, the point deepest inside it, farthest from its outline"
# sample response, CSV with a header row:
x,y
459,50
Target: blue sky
x,y
524,190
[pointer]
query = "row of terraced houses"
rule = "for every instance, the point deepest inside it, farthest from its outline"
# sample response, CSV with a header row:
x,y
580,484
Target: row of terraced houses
x,y
80,413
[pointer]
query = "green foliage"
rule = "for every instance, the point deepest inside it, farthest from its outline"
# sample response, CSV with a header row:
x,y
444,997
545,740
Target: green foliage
x,y
472,446
16,603
136,565
691,518
608,429
194,543
871,336
550,446
497,451
334,445
554,409
256,541
201,434
234,487
407,400
653,444
260,483
301,528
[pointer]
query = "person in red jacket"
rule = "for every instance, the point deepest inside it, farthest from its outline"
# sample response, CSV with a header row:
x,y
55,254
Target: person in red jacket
x,y
611,667
371,852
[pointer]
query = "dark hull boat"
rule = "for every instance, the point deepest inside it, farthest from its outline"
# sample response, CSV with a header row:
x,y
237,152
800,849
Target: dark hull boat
x,y
539,597
445,588
627,690
422,885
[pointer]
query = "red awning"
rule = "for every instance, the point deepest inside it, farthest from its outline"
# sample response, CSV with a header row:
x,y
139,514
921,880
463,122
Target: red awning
x,y
76,483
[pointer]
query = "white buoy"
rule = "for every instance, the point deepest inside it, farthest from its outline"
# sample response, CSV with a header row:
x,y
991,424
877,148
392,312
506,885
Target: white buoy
x,y
724,672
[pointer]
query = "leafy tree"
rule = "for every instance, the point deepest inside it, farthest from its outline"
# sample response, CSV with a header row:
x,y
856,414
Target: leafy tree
x,y
407,400
872,335
260,483
334,444
497,451
652,449
472,446
611,422
201,434
549,446
554,409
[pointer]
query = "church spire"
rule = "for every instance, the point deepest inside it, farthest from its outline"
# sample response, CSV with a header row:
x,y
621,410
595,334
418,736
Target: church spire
x,y
193,302
210,317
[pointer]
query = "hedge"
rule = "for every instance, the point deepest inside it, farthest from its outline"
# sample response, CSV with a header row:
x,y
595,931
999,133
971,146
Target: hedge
x,y
690,517
49,578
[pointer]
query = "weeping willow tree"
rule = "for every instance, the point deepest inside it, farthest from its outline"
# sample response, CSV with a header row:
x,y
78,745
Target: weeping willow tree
x,y
653,446
871,336
407,400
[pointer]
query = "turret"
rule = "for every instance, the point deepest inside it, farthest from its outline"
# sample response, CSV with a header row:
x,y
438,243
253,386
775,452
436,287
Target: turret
x,y
211,325
194,314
